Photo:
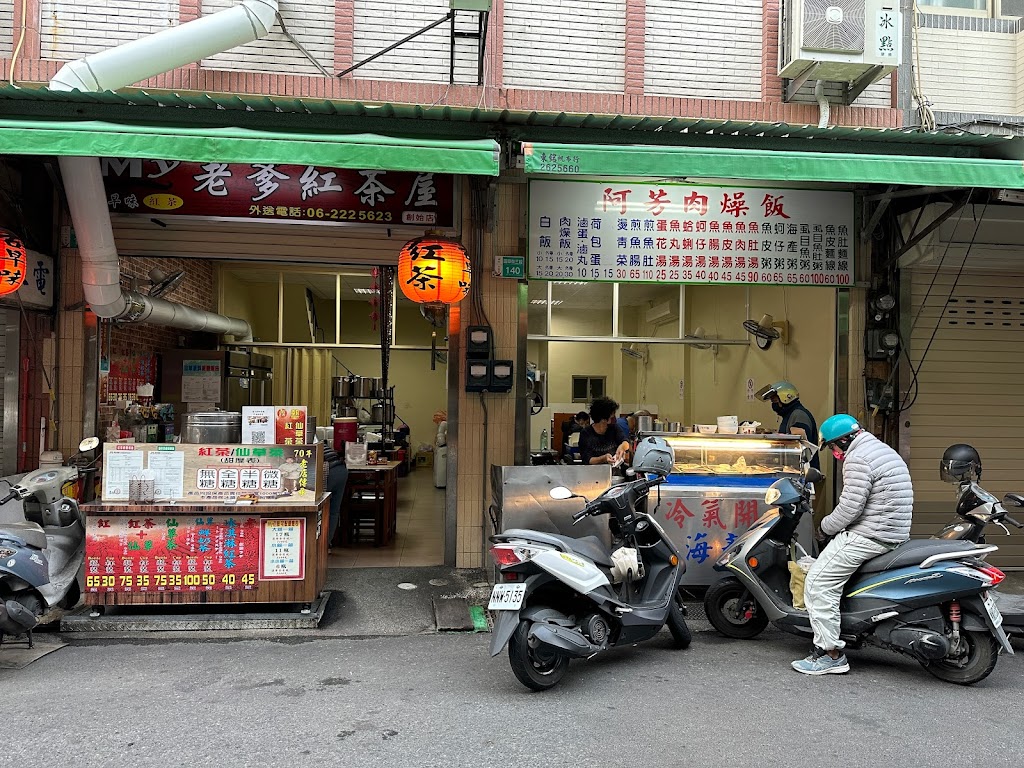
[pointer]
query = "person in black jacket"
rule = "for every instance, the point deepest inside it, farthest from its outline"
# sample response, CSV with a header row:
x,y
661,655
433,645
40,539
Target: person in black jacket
x,y
603,441
577,423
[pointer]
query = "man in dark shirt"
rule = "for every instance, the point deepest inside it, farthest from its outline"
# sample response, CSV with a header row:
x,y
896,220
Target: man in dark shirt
x,y
603,441
796,420
576,424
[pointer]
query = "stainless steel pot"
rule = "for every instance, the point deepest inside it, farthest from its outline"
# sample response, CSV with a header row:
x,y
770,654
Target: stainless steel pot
x,y
347,411
644,423
342,386
217,427
367,386
377,414
675,426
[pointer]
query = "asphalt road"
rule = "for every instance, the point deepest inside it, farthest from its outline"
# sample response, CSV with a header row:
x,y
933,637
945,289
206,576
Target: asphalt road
x,y
439,700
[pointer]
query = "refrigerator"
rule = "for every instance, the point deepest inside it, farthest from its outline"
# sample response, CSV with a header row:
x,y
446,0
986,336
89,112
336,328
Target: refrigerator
x,y
207,379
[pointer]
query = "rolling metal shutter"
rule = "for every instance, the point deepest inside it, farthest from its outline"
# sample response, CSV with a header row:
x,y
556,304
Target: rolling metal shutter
x,y
969,391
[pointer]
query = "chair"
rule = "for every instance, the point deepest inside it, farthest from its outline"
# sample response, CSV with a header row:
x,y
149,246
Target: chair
x,y
370,510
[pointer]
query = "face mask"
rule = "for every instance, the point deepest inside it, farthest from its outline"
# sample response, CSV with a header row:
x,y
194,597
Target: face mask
x,y
777,407
840,455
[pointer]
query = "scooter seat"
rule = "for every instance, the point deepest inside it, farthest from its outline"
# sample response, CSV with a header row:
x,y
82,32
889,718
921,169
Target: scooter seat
x,y
31,533
913,552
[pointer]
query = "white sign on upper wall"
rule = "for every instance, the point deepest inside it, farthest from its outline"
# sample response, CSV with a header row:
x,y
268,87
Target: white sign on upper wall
x,y
684,233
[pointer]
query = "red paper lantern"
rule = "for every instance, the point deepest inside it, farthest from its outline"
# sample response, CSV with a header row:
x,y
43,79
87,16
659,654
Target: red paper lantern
x,y
434,270
12,262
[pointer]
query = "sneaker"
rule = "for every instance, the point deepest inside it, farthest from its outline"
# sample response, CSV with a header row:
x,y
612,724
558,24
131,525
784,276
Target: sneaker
x,y
820,663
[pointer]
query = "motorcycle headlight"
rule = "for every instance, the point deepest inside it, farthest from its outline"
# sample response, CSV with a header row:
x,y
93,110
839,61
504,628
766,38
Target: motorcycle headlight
x,y
772,495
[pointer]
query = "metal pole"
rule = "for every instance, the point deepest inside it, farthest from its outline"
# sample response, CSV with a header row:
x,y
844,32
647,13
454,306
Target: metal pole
x,y
403,41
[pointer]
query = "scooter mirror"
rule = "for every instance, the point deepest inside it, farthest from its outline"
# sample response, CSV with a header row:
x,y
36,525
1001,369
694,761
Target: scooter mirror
x,y
813,476
561,493
88,444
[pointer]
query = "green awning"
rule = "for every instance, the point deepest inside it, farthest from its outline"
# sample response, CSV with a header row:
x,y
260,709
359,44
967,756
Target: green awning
x,y
770,165
239,145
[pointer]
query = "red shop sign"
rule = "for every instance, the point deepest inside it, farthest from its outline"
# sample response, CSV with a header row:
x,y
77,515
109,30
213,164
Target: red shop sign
x,y
273,192
171,552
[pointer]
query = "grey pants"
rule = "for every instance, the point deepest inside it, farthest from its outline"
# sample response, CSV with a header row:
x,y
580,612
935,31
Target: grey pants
x,y
823,587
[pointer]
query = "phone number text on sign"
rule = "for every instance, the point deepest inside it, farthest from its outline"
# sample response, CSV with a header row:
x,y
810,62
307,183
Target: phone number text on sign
x,y
625,231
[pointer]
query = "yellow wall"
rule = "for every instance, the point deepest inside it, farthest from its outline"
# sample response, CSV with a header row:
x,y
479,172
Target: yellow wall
x,y
419,391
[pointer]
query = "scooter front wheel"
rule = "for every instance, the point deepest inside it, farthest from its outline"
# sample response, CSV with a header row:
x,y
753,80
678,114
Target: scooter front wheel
x,y
732,610
677,621
536,668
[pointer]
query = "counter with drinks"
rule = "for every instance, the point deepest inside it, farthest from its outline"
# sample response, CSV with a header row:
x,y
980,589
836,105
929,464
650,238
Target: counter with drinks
x,y
207,523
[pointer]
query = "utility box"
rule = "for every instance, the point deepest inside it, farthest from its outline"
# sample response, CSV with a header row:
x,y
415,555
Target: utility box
x,y
470,5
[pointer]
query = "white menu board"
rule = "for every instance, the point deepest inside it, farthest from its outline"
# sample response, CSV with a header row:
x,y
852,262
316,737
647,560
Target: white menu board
x,y
283,549
169,468
623,231
200,381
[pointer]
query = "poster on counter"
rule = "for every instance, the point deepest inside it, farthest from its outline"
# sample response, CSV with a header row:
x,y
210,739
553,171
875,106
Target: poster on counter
x,y
163,551
277,192
258,425
225,474
290,424
121,462
283,549
618,231
200,381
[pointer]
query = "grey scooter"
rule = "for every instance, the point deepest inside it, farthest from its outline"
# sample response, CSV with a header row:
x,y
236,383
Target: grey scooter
x,y
41,556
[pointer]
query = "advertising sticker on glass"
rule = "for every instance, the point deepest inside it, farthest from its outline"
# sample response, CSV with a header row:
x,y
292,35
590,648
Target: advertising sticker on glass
x,y
275,192
683,233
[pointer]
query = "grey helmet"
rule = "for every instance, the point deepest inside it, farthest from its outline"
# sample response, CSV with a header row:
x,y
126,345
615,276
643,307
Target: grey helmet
x,y
653,454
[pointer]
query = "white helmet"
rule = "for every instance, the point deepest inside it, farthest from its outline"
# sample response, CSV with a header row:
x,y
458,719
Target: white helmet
x,y
653,454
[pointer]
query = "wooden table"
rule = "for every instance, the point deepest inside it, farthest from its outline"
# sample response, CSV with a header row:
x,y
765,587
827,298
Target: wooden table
x,y
179,553
371,503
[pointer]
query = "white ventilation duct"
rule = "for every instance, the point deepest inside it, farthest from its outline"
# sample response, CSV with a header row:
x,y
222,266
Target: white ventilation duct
x,y
83,181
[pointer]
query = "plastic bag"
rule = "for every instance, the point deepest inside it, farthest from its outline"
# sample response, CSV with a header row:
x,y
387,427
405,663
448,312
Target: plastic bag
x,y
796,584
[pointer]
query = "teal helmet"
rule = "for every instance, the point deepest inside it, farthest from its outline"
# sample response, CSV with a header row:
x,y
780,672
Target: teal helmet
x,y
836,428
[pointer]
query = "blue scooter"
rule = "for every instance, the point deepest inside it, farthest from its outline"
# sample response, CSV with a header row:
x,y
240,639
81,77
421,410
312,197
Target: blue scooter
x,y
927,598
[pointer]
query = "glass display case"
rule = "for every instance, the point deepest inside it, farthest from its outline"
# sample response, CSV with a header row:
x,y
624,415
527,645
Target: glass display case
x,y
716,492
736,455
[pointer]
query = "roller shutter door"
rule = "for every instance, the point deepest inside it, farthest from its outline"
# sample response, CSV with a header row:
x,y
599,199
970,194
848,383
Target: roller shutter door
x,y
969,390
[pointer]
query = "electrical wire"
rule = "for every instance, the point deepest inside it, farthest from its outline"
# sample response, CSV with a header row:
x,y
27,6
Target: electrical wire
x,y
924,106
21,40
970,246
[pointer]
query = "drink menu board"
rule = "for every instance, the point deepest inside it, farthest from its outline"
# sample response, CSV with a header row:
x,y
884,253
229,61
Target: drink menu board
x,y
223,474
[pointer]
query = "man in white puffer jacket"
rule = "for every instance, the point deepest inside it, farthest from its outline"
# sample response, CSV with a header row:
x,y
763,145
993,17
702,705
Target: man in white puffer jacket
x,y
872,517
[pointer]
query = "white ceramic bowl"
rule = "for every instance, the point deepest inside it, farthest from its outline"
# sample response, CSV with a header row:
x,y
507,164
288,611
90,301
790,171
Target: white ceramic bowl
x,y
707,429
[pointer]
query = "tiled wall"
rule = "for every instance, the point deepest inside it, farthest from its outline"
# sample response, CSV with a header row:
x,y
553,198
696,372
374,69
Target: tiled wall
x,y
699,49
968,71
500,305
576,45
311,22
6,27
70,30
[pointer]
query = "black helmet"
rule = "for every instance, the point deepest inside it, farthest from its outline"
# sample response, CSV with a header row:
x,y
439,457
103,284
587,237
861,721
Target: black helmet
x,y
960,464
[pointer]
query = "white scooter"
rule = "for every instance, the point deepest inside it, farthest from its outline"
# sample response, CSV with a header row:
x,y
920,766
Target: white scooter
x,y
41,555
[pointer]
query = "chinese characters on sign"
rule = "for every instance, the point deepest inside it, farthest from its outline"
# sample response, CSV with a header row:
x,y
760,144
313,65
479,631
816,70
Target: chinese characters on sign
x,y
276,192
171,552
283,547
707,527
680,233
215,473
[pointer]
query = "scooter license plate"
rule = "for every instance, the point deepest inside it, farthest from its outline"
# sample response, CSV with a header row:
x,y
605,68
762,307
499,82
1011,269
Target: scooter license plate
x,y
993,610
507,597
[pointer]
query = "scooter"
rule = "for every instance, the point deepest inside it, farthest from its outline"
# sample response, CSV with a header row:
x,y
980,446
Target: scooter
x,y
41,557
561,598
927,599
976,509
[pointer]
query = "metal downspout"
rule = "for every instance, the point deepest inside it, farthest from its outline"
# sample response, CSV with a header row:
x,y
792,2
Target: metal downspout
x,y
83,180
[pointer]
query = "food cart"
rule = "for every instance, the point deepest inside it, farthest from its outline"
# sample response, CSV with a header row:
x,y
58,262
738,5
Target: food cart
x,y
716,491
198,524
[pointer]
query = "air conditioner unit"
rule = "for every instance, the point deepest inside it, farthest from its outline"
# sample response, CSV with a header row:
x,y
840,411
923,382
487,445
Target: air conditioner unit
x,y
846,41
665,312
